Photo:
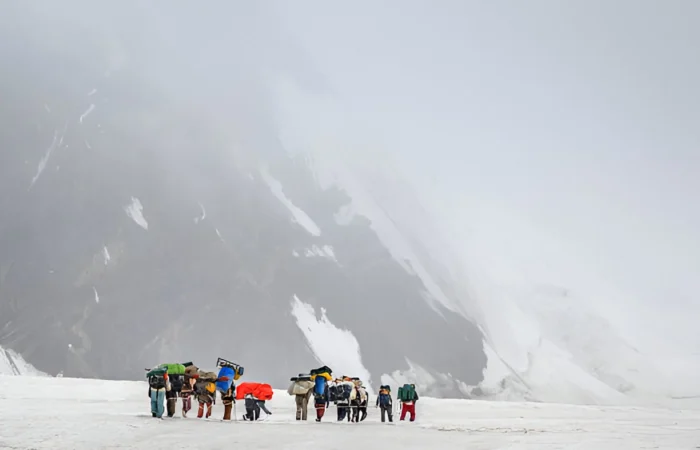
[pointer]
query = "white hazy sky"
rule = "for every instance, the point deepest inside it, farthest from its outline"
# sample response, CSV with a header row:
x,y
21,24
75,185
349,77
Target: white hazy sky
x,y
561,139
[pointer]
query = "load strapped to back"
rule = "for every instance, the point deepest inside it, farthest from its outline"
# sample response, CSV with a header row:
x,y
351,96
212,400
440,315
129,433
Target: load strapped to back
x,y
342,391
156,377
385,395
261,391
228,372
205,384
191,371
407,393
174,369
176,374
237,368
320,377
300,385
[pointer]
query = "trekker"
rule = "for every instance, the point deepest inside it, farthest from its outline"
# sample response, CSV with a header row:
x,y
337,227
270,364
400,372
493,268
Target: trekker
x,y
176,379
171,394
408,398
189,379
364,402
225,385
227,398
359,405
255,395
205,390
385,402
253,406
321,402
321,377
344,389
301,389
157,387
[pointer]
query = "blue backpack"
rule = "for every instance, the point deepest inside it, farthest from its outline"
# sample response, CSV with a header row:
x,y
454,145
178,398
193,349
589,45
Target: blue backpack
x,y
385,395
224,385
319,386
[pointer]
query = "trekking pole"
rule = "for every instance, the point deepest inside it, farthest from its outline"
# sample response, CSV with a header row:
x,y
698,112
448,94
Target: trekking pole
x,y
235,413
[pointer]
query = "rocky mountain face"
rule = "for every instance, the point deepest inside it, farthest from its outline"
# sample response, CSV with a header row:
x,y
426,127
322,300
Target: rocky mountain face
x,y
140,226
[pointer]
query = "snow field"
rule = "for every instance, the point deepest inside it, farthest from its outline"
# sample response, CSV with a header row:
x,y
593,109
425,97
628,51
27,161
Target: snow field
x,y
57,413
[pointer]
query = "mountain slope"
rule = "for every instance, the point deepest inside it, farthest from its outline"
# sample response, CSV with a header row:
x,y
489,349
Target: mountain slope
x,y
149,219
12,363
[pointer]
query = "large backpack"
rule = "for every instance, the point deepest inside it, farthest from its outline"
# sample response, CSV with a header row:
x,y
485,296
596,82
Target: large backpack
x,y
229,373
156,381
300,386
204,387
238,370
407,393
385,395
333,392
319,386
176,382
174,369
346,391
156,378
205,384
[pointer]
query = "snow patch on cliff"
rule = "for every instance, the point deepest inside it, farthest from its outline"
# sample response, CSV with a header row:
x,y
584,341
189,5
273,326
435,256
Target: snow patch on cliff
x,y
331,346
12,363
323,251
135,211
298,215
55,142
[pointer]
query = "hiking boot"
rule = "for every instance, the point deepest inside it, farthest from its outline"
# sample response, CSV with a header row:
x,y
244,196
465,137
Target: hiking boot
x,y
153,414
318,420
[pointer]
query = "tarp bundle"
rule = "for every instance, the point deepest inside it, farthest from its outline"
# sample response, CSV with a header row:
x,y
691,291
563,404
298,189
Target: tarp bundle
x,y
261,391
156,372
300,385
174,369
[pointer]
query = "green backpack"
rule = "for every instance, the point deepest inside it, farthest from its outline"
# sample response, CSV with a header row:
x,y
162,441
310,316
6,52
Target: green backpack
x,y
407,393
174,369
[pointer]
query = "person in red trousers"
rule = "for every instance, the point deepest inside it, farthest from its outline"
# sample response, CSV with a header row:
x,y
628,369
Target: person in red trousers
x,y
409,406
321,402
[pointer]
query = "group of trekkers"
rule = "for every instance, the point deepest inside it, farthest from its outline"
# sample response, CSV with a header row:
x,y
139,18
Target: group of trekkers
x,y
349,395
168,382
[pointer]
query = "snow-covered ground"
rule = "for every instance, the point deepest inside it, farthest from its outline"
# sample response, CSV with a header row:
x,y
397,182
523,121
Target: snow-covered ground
x,y
38,412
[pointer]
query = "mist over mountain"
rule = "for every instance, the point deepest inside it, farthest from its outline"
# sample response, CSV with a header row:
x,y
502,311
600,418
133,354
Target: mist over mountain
x,y
150,212
490,200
